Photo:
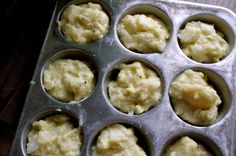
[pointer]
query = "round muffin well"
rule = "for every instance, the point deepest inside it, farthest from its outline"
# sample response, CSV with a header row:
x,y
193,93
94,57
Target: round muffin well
x,y
84,23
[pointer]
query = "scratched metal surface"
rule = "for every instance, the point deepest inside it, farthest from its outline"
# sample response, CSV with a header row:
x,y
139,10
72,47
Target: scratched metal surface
x,y
160,125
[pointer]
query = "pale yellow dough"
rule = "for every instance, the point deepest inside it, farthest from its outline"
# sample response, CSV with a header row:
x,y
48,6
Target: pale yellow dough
x,y
84,23
193,99
54,136
68,80
136,89
185,146
202,43
117,140
143,33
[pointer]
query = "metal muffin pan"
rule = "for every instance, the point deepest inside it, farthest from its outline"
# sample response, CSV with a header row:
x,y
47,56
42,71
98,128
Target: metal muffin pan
x,y
160,125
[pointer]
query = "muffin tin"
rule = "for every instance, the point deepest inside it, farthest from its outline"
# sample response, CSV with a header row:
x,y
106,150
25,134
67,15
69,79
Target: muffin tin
x,y
159,126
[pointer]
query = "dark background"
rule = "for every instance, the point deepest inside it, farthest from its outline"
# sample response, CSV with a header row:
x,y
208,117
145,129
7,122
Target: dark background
x,y
24,25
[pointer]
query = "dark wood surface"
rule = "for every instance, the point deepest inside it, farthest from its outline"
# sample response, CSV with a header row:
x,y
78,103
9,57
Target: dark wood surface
x,y
23,27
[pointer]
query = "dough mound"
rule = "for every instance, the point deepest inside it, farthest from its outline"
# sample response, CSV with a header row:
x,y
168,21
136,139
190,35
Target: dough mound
x,y
143,33
55,135
136,89
84,23
202,43
68,80
185,146
117,140
193,99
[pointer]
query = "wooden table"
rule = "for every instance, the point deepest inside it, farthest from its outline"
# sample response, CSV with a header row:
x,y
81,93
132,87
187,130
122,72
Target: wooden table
x,y
230,4
24,29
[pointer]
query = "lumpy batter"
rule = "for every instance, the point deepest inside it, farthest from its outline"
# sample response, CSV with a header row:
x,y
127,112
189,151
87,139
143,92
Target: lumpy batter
x,y
136,89
68,80
55,135
84,23
117,140
185,146
202,43
193,99
143,33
